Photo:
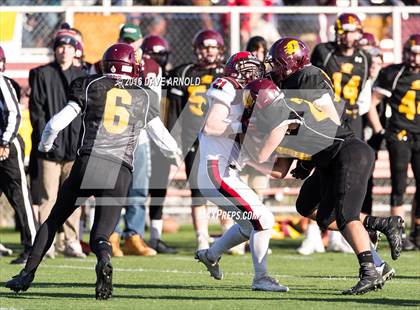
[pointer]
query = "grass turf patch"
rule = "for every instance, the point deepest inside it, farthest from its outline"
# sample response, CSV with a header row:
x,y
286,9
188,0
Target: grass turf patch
x,y
178,281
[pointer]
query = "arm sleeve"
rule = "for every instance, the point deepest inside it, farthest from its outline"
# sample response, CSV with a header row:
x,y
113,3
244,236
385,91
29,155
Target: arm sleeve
x,y
12,111
383,83
163,139
37,102
57,123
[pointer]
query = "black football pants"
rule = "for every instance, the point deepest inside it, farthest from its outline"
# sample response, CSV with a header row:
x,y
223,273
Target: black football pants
x,y
109,182
14,185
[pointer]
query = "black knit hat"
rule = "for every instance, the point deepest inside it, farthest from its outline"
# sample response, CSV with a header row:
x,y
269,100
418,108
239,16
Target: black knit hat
x,y
65,39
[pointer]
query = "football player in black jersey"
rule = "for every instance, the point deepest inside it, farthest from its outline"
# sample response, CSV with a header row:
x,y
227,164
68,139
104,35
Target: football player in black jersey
x,y
348,68
115,110
187,106
290,67
295,128
399,86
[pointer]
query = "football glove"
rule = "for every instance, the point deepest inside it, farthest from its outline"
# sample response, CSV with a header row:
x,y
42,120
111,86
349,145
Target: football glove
x,y
303,170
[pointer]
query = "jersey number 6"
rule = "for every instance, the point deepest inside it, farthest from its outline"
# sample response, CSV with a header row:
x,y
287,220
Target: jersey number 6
x,y
116,116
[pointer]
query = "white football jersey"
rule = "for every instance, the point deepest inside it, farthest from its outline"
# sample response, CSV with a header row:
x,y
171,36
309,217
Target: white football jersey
x,y
228,92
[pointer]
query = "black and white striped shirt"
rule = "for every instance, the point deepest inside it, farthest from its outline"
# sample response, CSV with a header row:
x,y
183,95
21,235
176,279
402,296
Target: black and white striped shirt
x,y
9,111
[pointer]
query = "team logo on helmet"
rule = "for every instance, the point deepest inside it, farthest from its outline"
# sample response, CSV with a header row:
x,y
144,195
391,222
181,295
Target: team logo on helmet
x,y
137,57
291,47
247,99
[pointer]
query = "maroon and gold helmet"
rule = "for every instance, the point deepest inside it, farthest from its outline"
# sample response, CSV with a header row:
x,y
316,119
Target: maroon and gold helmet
x,y
244,67
347,22
205,39
287,56
157,48
121,60
411,48
260,93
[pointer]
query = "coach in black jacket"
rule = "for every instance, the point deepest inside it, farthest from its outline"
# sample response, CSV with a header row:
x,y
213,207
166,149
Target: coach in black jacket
x,y
49,89
12,173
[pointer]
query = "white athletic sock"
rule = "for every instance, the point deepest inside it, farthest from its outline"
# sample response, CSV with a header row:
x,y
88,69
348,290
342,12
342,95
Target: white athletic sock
x,y
259,242
229,239
156,229
201,221
313,232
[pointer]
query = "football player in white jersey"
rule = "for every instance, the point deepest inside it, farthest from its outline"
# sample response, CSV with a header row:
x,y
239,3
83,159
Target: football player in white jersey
x,y
218,177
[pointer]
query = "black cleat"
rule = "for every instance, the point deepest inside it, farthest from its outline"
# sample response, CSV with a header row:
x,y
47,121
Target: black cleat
x,y
370,280
103,280
392,227
161,247
386,271
21,259
21,282
408,245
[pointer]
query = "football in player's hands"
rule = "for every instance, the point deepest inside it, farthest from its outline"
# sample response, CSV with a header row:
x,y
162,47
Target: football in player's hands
x,y
302,170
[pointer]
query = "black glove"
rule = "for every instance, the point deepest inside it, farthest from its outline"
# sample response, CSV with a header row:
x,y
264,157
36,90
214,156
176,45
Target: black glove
x,y
376,140
303,170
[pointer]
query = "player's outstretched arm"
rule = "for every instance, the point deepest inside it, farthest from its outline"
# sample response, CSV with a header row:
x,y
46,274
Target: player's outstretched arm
x,y
57,123
163,139
272,142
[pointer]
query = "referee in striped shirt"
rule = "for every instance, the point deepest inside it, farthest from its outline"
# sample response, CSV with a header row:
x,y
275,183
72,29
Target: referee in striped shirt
x,y
12,174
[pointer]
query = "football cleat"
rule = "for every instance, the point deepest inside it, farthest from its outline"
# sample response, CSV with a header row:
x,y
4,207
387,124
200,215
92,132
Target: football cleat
x,y
5,251
386,271
161,247
392,227
268,284
370,280
103,280
212,267
311,245
338,244
21,282
408,245
21,259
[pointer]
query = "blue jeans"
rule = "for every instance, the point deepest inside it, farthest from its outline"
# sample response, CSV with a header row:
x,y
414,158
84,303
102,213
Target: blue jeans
x,y
135,214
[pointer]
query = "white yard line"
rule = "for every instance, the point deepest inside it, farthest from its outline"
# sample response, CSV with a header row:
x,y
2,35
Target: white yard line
x,y
240,274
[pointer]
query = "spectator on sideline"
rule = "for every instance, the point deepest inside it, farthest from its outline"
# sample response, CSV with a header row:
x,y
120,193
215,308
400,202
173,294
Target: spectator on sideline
x,y
49,84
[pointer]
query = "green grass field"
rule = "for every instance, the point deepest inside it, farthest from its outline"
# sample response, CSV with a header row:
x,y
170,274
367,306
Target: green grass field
x,y
178,282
